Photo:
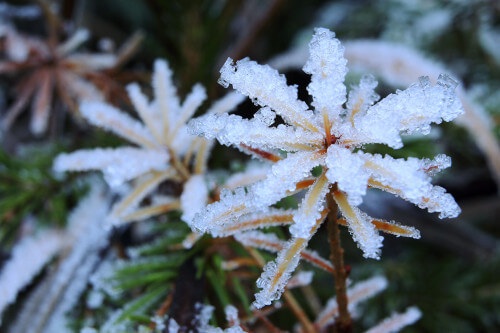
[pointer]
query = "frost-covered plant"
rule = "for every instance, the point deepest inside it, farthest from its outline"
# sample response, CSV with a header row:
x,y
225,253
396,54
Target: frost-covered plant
x,y
165,149
78,248
330,137
50,68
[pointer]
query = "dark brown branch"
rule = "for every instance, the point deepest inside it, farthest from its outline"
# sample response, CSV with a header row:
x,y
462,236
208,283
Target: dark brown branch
x,y
343,323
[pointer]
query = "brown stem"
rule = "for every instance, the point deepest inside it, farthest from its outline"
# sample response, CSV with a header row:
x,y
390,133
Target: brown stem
x,y
343,323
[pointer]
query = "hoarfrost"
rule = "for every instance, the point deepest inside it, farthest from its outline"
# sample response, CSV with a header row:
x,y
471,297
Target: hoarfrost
x,y
330,137
194,198
397,321
28,257
117,164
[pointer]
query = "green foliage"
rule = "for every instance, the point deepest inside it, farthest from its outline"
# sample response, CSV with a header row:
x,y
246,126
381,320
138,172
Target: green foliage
x,y
28,187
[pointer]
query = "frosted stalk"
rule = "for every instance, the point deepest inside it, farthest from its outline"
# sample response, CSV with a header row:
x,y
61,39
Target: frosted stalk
x,y
193,198
118,165
17,272
266,87
98,61
362,97
112,119
310,209
142,188
227,103
79,37
362,230
410,110
397,321
165,91
234,130
277,273
252,174
300,279
193,101
255,220
360,292
284,176
228,208
327,67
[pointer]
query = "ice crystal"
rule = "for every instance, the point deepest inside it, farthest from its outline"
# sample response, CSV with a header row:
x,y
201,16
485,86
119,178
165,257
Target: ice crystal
x,y
330,136
164,151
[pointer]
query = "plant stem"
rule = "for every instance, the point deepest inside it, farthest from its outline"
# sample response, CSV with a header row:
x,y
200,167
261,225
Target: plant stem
x,y
343,322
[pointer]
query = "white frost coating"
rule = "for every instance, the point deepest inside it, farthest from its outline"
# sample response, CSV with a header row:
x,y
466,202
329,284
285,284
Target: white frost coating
x,y
232,315
310,209
327,67
162,134
300,279
89,330
331,137
437,164
58,321
397,321
284,176
228,208
164,90
271,284
411,110
194,198
27,259
234,130
360,292
85,238
195,98
260,240
362,230
362,97
78,38
173,327
409,179
266,87
111,119
254,220
118,165
346,169
144,186
94,61
253,173
203,314
270,242
227,103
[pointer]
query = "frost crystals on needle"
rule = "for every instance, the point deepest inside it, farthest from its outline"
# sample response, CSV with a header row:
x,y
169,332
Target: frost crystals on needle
x,y
330,136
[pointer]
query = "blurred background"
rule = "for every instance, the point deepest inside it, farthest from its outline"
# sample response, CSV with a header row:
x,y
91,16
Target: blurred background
x,y
451,274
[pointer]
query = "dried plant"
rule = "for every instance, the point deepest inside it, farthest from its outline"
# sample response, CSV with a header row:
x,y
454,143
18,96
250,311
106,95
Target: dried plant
x,y
193,263
165,149
49,68
329,137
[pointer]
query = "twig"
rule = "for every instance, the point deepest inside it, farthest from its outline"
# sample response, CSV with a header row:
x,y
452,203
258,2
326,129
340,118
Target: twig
x,y
343,322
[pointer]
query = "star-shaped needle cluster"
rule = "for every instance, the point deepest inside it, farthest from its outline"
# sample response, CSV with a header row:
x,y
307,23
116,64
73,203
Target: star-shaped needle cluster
x,y
164,150
49,68
330,136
